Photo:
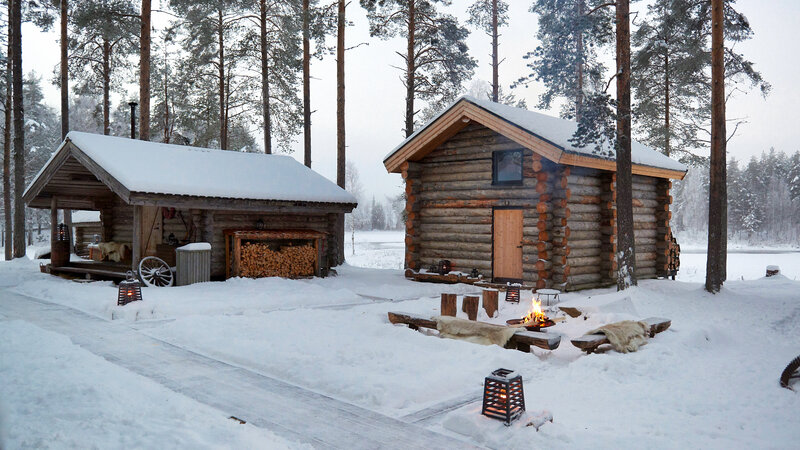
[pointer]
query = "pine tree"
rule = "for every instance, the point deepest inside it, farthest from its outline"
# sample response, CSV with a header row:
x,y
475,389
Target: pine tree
x,y
15,25
437,62
103,36
489,16
144,72
570,34
212,30
717,202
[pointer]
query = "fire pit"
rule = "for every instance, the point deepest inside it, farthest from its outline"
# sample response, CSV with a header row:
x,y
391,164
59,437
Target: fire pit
x,y
535,320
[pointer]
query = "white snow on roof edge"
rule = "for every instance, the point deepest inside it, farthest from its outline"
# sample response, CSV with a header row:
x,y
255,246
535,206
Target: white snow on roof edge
x,y
158,168
553,130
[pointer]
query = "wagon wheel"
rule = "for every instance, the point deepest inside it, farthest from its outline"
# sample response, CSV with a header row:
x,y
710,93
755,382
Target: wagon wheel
x,y
155,272
792,371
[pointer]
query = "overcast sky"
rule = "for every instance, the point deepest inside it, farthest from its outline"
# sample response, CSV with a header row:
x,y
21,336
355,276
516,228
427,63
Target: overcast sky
x,y
375,95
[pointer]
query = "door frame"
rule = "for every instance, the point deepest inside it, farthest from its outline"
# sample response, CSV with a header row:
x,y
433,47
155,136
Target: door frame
x,y
504,279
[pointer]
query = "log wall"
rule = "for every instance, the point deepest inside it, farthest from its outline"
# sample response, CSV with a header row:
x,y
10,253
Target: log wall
x,y
451,200
569,214
208,226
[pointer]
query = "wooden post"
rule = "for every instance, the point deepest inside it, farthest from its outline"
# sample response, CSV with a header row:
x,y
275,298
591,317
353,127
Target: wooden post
x,y
490,301
449,304
136,245
53,220
471,306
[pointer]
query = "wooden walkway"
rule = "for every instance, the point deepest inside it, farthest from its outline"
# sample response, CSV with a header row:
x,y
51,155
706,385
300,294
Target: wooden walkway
x,y
293,412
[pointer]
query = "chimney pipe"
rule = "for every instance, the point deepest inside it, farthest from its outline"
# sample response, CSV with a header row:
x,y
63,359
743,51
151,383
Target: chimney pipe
x,y
133,119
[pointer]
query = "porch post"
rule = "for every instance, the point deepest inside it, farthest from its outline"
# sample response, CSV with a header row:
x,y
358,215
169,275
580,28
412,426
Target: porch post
x,y
136,245
53,220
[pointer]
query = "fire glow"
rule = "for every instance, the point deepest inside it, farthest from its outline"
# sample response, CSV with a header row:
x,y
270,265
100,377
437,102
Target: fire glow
x,y
535,314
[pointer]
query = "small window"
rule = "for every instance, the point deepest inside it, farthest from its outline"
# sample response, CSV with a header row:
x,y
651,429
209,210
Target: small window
x,y
507,167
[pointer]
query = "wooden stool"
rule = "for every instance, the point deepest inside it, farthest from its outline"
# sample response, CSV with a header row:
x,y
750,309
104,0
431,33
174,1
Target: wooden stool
x,y
548,296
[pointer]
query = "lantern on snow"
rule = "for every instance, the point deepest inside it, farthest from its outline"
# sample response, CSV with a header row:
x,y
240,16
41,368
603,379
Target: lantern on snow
x,y
130,290
512,293
503,397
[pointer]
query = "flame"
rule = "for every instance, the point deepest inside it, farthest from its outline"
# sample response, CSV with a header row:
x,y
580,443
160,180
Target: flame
x,y
535,314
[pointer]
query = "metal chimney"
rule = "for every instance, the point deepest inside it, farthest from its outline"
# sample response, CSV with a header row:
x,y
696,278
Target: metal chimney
x,y
133,119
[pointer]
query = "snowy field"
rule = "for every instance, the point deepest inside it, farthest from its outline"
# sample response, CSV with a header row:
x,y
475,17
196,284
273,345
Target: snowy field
x,y
707,382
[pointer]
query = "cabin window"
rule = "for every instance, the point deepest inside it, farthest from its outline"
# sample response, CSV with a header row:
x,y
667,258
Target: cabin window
x,y
507,167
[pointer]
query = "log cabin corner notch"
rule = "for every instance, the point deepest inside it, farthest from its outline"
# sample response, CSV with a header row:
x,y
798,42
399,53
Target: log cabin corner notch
x,y
145,191
554,227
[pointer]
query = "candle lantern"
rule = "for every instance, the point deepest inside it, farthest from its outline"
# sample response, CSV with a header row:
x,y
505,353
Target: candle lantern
x,y
130,290
512,293
503,396
61,232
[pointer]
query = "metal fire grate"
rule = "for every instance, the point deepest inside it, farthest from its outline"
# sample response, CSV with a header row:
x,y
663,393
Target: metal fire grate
x,y
512,293
503,396
130,290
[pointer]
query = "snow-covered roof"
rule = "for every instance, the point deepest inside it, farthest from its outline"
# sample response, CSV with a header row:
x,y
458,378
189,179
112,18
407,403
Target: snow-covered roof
x,y
85,216
553,130
152,167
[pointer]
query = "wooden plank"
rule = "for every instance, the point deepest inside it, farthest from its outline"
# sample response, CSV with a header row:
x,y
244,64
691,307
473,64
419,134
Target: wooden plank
x,y
413,320
537,339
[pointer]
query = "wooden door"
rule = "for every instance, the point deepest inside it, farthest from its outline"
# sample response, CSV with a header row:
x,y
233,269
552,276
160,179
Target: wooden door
x,y
507,244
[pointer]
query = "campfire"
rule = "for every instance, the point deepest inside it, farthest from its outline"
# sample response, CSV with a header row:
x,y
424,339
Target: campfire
x,y
535,319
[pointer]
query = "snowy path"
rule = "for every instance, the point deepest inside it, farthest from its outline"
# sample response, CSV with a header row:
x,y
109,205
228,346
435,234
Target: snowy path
x,y
295,413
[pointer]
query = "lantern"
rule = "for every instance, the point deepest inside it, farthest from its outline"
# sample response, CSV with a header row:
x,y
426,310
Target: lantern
x,y
61,233
130,290
475,273
445,266
512,293
503,397
172,240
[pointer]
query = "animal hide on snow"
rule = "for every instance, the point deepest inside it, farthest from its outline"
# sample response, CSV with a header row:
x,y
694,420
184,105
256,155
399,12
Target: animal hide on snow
x,y
114,251
626,336
475,332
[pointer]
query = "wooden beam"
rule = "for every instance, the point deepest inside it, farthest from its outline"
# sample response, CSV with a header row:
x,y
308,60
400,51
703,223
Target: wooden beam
x,y
53,220
136,245
233,204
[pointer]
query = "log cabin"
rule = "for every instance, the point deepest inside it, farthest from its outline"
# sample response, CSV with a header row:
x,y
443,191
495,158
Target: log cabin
x,y
504,191
154,196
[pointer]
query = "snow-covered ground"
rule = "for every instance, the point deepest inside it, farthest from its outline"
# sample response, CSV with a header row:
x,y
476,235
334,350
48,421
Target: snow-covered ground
x,y
710,381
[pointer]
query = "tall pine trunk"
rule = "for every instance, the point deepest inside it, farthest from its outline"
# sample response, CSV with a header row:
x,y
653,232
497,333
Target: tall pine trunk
x,y
64,78
579,64
223,123
667,133
306,85
64,72
8,243
340,121
495,62
19,130
626,255
717,199
265,78
144,73
410,67
106,87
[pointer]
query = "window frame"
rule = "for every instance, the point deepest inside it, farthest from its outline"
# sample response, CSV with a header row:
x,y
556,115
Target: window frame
x,y
495,158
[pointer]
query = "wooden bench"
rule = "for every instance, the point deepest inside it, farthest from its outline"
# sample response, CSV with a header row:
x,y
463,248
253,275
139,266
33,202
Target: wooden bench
x,y
590,342
522,340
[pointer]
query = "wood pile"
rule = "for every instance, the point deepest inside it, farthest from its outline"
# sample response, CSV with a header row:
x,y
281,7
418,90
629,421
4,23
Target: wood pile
x,y
258,260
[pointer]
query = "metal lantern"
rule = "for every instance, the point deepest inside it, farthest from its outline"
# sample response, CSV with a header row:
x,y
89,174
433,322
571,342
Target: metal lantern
x,y
503,396
172,240
512,293
130,290
445,266
61,233
475,273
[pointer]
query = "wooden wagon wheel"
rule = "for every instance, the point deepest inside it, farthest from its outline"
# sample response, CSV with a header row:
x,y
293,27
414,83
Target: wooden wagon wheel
x,y
791,372
154,272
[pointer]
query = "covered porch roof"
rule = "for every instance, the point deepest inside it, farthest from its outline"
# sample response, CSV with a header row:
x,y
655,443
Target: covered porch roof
x,y
88,170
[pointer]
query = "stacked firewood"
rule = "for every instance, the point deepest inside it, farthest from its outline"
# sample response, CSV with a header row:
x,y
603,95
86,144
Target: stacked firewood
x,y
258,260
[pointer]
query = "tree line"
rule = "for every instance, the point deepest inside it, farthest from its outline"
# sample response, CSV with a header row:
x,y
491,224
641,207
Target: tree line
x,y
221,73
